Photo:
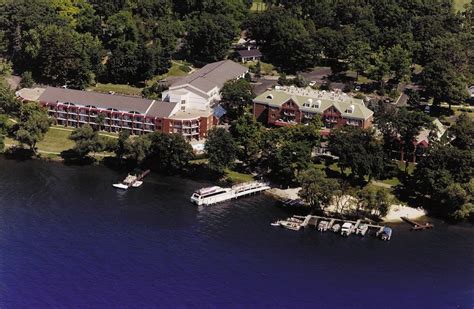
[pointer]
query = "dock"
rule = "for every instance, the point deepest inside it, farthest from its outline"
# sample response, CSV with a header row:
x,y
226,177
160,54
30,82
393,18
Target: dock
x,y
416,226
358,227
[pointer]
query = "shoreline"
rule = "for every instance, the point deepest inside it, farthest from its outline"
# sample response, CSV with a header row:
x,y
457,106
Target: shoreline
x,y
394,215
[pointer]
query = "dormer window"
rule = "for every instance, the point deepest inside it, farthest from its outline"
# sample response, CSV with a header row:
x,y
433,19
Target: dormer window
x,y
270,97
350,110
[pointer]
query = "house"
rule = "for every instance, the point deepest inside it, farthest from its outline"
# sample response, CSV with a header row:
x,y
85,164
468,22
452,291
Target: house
x,y
187,107
424,138
284,106
249,54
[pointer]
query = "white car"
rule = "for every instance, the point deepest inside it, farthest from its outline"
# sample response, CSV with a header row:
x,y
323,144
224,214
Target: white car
x,y
312,83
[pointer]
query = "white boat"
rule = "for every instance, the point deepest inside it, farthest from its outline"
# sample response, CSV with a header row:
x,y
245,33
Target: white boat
x,y
346,229
216,194
129,181
290,225
275,223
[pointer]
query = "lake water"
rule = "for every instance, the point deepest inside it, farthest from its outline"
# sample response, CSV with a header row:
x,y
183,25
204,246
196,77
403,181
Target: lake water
x,y
69,240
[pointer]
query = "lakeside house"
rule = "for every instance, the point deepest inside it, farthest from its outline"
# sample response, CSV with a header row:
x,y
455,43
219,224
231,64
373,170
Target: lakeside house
x,y
285,106
249,54
186,108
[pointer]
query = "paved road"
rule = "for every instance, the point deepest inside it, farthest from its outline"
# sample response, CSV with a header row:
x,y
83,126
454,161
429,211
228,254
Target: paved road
x,y
263,85
317,74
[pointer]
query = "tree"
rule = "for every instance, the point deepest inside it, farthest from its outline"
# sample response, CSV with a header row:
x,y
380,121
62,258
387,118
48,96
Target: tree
x,y
138,148
86,140
209,37
247,133
401,128
67,57
378,68
375,200
122,144
399,61
284,39
236,95
2,142
358,53
221,149
9,104
121,27
169,153
359,150
445,178
463,131
27,80
443,83
34,123
316,189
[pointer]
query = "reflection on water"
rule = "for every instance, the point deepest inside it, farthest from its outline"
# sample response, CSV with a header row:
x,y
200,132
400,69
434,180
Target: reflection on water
x,y
68,239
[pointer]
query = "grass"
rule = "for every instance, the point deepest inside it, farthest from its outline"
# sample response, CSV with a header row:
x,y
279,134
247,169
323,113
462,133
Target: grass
x,y
267,68
117,88
458,5
258,6
176,70
236,177
56,140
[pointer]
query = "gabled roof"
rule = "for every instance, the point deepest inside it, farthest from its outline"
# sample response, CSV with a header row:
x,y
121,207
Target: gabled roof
x,y
99,100
312,101
107,101
212,75
245,53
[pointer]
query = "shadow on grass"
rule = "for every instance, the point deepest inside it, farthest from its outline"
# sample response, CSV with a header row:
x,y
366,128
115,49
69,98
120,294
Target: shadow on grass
x,y
72,157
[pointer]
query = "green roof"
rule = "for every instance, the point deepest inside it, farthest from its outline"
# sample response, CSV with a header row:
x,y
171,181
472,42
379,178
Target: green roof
x,y
309,100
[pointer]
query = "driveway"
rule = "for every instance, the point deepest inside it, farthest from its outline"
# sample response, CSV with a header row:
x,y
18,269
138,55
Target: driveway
x,y
262,85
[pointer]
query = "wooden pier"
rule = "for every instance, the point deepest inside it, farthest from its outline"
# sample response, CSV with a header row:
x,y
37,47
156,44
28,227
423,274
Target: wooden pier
x,y
314,220
416,226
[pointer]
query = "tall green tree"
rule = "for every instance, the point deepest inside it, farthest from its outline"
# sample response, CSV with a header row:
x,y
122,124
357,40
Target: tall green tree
x,y
443,83
316,189
221,149
34,124
169,153
247,132
209,37
86,141
359,150
236,96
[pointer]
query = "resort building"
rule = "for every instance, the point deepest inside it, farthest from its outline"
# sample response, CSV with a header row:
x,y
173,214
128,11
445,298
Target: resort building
x,y
187,107
284,106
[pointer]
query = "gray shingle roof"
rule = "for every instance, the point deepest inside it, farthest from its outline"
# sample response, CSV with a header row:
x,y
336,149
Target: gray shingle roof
x,y
99,100
212,75
107,101
249,53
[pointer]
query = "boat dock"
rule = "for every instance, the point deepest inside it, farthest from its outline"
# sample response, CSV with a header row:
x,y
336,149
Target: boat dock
x,y
347,227
416,226
132,181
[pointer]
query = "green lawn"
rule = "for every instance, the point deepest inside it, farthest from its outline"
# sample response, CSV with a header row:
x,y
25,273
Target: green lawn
x,y
258,6
236,177
459,4
176,70
267,68
117,88
56,140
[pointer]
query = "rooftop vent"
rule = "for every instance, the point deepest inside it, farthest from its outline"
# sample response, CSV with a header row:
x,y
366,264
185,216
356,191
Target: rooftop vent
x,y
270,97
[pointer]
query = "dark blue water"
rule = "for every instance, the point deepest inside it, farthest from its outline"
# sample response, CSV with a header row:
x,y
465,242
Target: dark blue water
x,y
68,239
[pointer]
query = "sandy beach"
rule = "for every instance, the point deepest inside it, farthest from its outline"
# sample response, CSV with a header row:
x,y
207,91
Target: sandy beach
x,y
394,215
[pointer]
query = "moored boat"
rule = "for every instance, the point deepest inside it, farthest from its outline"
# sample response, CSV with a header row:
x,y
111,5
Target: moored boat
x,y
216,194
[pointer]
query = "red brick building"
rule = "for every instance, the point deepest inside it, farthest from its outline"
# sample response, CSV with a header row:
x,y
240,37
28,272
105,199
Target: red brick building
x,y
285,106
